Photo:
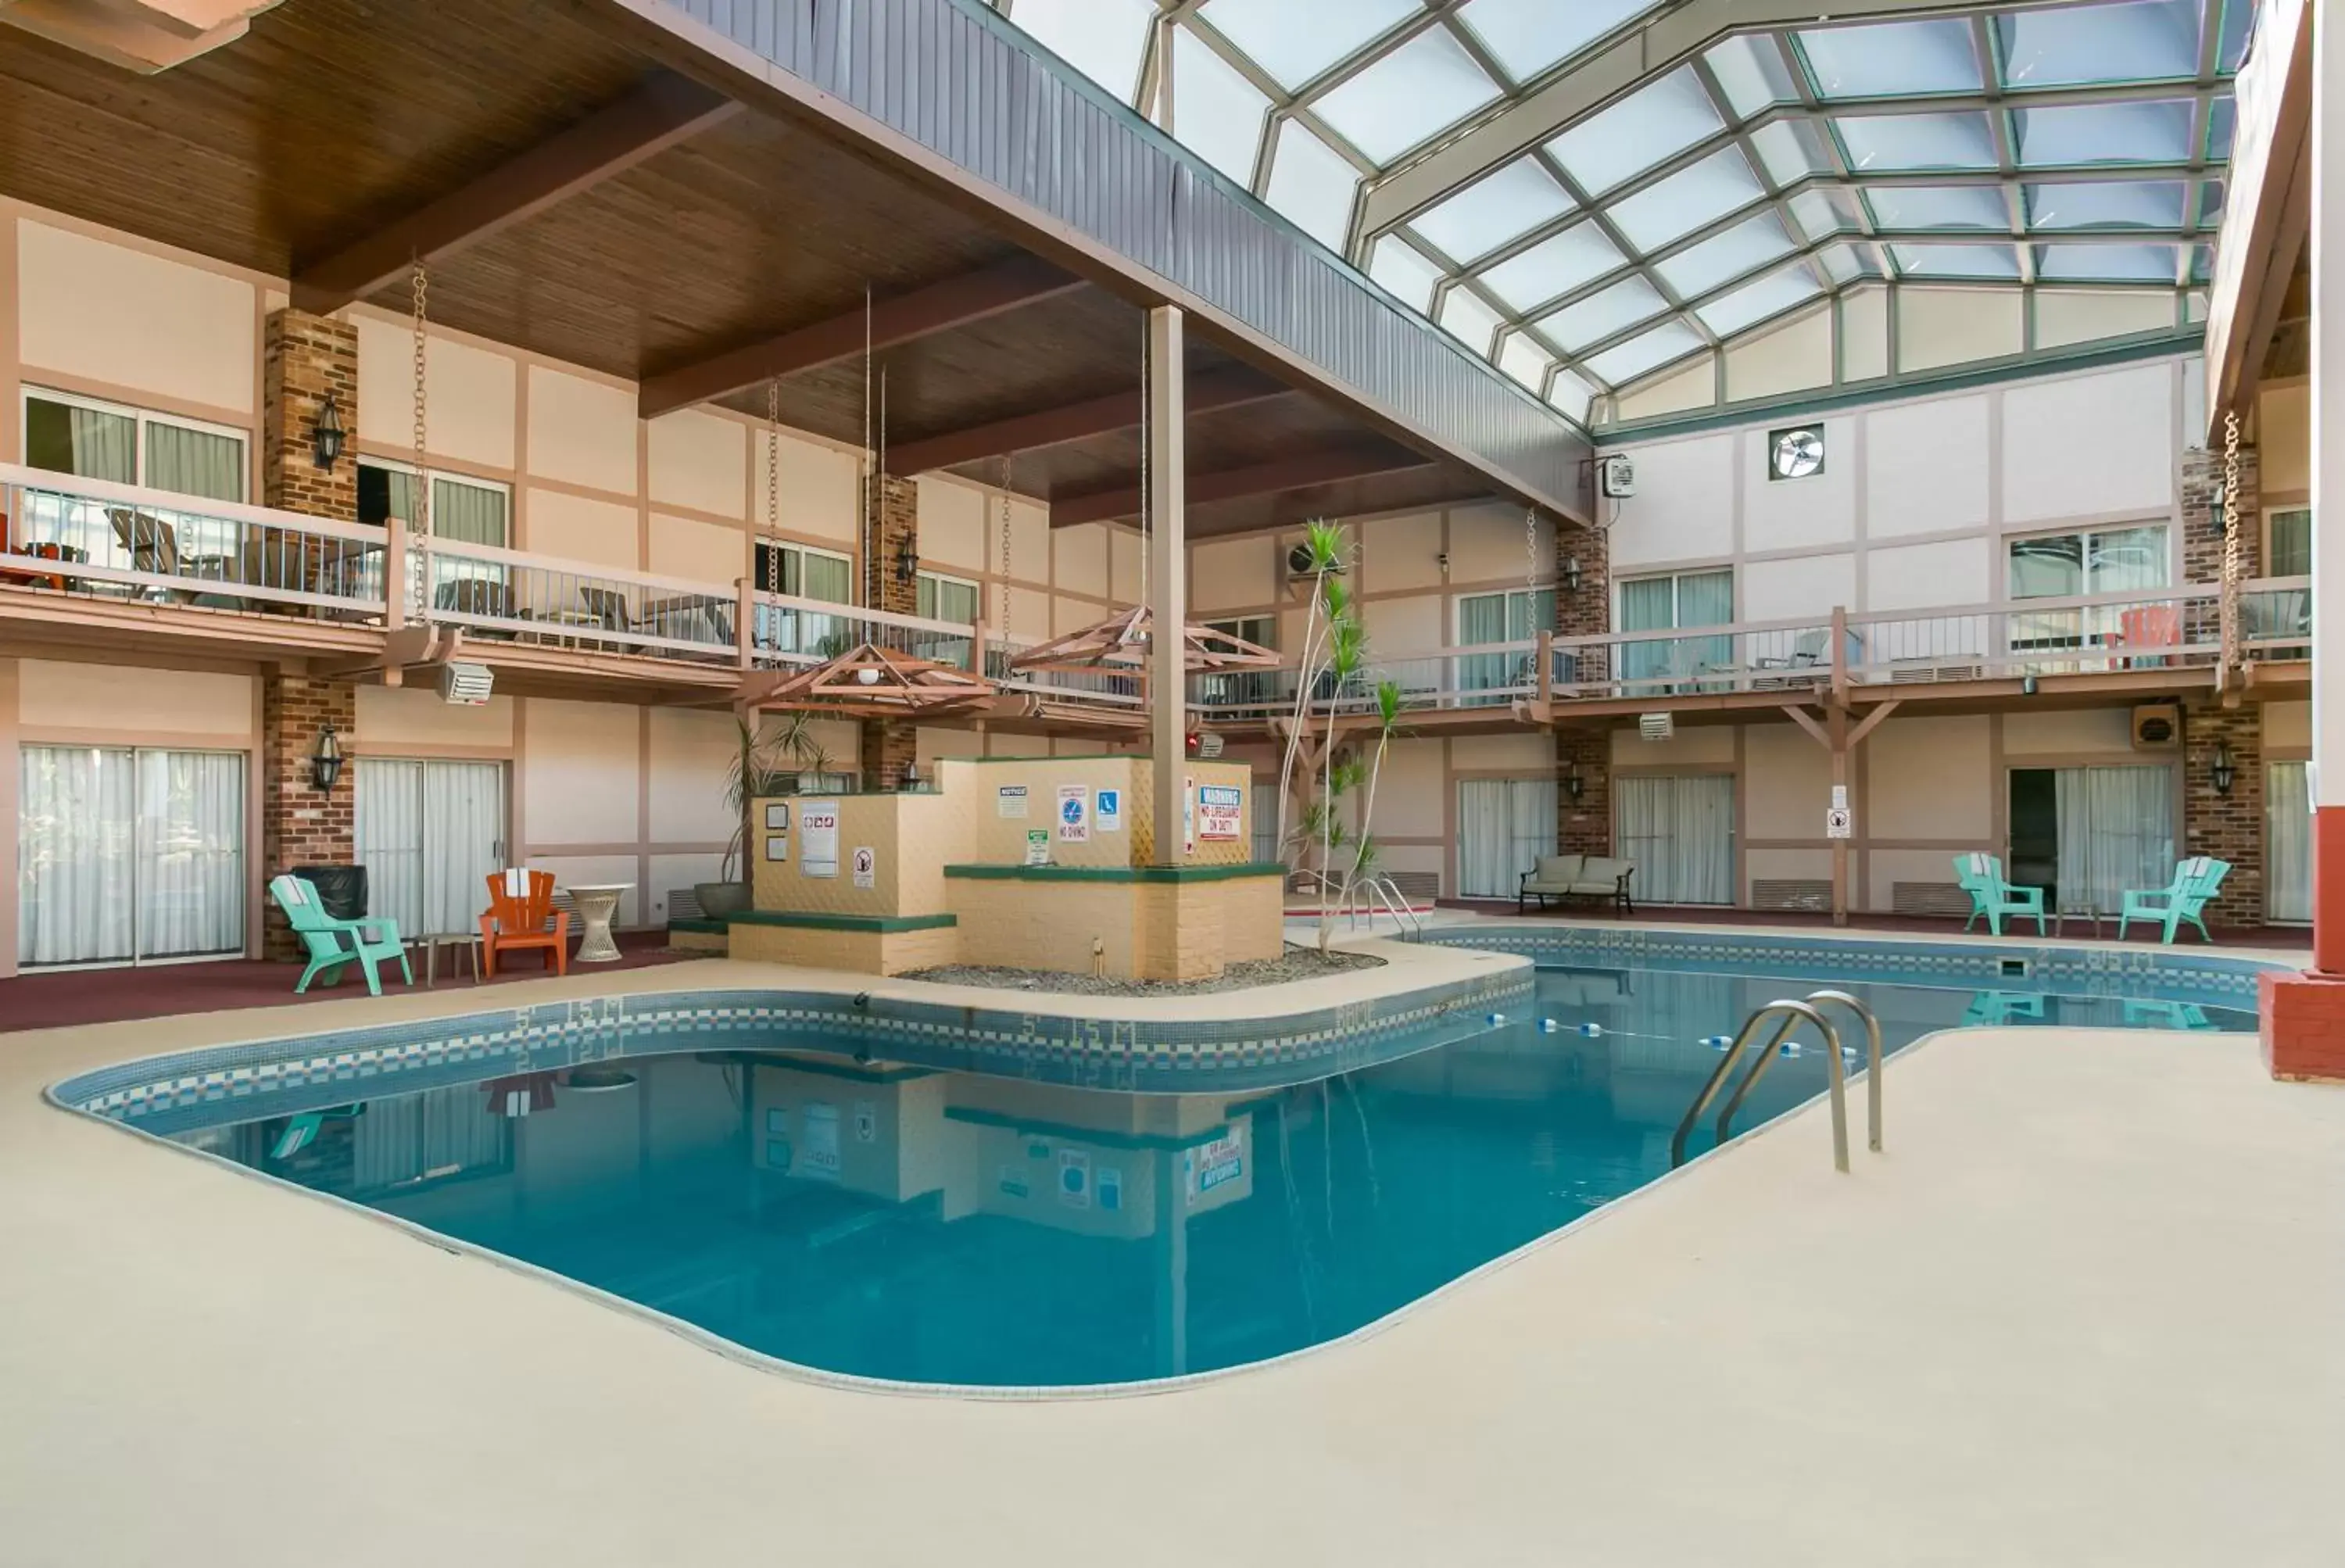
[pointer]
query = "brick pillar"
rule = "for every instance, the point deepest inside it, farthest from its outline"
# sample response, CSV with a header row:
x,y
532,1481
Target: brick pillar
x,y
2202,532
300,825
2227,827
888,746
1588,612
305,359
1584,826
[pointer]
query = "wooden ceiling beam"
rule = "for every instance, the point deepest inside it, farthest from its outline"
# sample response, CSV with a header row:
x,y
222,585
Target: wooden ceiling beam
x,y
1075,421
1299,472
662,110
1005,286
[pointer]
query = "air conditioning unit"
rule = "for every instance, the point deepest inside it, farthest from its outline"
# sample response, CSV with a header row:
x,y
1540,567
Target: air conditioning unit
x,y
2157,726
1206,745
1656,725
1617,475
467,685
1298,564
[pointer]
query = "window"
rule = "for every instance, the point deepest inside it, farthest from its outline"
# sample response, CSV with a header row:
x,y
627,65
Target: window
x,y
1666,604
463,511
2287,542
129,856
801,572
2088,562
1237,694
943,598
95,439
1518,616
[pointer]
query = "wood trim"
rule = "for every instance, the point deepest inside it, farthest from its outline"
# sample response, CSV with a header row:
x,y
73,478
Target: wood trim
x,y
145,740
640,850
257,871
516,793
12,429
427,751
35,378
11,767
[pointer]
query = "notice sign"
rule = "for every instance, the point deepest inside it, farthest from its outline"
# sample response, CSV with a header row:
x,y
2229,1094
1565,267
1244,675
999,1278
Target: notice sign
x,y
1211,1165
866,1121
1074,814
1074,1178
1010,801
777,847
1108,807
866,866
1840,823
819,1159
819,828
1220,807
1037,846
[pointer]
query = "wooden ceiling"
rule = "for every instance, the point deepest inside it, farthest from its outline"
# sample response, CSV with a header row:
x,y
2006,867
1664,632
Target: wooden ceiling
x,y
334,122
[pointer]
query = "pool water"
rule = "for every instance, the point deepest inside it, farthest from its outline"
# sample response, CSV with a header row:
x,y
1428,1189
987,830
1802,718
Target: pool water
x,y
952,1227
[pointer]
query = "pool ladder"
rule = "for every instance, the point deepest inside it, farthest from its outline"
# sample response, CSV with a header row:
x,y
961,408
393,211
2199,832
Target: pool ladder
x,y
1791,1015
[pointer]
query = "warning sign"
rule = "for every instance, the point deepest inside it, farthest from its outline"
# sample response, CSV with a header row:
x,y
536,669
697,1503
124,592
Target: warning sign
x,y
1074,814
1220,807
1840,823
866,866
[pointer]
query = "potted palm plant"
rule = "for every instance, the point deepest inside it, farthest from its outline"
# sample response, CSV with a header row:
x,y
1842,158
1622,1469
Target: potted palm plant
x,y
762,764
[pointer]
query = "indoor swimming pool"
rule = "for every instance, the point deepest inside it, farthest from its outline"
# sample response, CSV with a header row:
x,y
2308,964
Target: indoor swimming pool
x,y
927,1225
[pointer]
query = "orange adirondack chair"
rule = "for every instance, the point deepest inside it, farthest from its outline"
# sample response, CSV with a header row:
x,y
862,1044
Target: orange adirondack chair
x,y
521,915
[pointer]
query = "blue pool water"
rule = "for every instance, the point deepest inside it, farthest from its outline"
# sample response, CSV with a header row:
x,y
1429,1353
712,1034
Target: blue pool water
x,y
957,1228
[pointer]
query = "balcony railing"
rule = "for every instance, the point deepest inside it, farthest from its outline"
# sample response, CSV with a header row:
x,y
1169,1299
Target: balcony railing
x,y
1492,674
1102,688
785,630
2276,620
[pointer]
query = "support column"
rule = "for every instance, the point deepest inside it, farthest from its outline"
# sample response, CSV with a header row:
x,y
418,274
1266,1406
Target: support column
x,y
1168,584
1836,728
2229,825
1585,824
893,530
2304,1015
305,360
299,824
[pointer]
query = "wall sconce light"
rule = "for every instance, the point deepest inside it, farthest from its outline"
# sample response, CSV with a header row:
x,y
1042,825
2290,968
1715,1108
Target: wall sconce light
x,y
2225,773
1572,783
1442,561
907,561
1571,573
326,436
326,760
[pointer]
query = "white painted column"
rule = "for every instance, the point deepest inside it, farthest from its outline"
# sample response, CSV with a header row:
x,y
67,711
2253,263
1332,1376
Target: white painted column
x,y
1168,580
2329,490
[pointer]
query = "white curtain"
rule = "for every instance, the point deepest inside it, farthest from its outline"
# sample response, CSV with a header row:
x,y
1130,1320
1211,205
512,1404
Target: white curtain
x,y
1679,831
190,872
467,513
76,809
1504,826
2288,844
2116,832
193,461
428,834
437,1132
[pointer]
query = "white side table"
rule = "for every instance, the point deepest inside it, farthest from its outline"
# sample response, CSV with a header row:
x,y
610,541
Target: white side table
x,y
595,904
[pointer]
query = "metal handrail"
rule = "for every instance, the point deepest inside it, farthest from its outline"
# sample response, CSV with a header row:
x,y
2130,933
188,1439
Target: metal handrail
x,y
1872,1059
1792,1014
1388,894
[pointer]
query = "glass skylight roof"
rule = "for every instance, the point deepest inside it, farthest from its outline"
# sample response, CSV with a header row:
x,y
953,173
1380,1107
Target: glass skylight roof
x,y
1753,173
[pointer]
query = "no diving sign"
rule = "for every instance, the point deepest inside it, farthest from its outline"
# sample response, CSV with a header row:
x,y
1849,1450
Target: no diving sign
x,y
1840,823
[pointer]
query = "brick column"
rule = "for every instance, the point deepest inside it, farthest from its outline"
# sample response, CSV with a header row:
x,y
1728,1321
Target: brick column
x,y
305,359
888,746
300,825
1584,827
2227,827
1587,613
2202,532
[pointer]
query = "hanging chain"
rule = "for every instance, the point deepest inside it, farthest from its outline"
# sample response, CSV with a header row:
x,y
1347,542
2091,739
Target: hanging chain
x,y
1147,440
423,502
774,455
1531,552
2230,612
1005,545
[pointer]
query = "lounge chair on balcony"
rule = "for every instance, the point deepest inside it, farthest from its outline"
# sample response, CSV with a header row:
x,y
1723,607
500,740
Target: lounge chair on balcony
x,y
1981,876
332,942
2185,898
521,915
1578,876
153,546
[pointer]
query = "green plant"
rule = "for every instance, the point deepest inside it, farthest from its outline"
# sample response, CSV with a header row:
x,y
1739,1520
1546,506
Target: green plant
x,y
765,763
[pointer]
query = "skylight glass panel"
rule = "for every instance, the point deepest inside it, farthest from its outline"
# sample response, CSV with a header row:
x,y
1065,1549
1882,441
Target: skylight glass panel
x,y
1927,141
1708,191
1999,262
1669,341
1891,59
1103,39
1423,87
1751,73
1844,264
1938,207
2104,263
1749,244
2239,20
1520,358
1556,265
2202,263
1639,131
1822,211
2210,203
2155,132
2105,204
1754,302
1295,40
1526,37
1492,210
1571,395
1598,317
1405,272
1465,317
1216,113
1792,150
2140,41
1312,185
2222,116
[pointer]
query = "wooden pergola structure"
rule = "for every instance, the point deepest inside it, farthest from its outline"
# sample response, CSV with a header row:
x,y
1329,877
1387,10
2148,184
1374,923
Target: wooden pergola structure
x,y
1119,646
868,682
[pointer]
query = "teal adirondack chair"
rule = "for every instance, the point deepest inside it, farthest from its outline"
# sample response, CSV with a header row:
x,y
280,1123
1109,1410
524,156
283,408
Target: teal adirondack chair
x,y
1981,876
335,942
2185,898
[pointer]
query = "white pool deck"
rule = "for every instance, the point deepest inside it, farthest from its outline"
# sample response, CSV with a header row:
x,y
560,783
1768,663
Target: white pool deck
x,y
2088,1308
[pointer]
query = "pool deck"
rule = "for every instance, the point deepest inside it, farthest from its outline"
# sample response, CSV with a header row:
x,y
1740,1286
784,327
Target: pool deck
x,y
2085,1310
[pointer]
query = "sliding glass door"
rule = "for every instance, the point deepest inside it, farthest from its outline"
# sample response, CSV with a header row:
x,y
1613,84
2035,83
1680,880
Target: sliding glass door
x,y
1668,603
1504,826
126,856
2116,832
2288,844
428,834
1679,832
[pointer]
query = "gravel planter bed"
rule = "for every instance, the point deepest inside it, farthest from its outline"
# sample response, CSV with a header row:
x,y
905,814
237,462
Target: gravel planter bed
x,y
1295,963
